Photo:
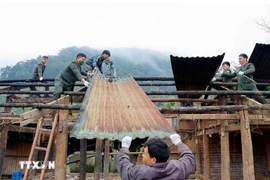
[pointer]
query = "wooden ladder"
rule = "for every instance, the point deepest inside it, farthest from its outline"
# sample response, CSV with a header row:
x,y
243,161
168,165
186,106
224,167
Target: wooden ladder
x,y
36,145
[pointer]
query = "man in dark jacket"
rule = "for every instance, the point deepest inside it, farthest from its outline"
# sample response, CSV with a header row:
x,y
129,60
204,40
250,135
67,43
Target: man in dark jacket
x,y
245,77
155,156
66,79
38,73
95,62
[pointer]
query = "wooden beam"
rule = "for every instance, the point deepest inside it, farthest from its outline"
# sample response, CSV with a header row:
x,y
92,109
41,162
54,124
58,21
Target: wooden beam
x,y
61,143
83,154
33,100
205,109
182,100
217,117
206,156
107,159
3,145
247,149
98,158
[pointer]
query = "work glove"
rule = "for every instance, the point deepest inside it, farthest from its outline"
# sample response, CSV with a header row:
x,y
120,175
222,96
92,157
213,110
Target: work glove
x,y
241,73
86,84
126,141
175,138
41,78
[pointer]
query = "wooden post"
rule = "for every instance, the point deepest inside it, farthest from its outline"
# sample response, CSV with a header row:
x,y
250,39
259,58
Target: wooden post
x,y
3,145
83,154
268,153
198,150
206,157
98,158
247,149
61,143
225,147
106,159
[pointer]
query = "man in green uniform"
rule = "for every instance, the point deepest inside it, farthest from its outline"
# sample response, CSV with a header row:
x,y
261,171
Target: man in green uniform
x,y
226,68
66,79
245,77
38,73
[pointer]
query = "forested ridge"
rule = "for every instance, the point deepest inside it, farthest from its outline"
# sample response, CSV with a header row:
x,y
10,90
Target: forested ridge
x,y
128,61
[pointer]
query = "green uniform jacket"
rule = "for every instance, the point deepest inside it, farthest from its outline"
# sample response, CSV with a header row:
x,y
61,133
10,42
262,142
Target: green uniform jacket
x,y
71,74
39,71
243,82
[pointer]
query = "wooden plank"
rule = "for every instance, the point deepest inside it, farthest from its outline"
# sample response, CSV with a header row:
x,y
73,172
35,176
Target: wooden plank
x,y
232,127
225,146
247,149
83,154
106,159
206,156
98,158
61,143
3,145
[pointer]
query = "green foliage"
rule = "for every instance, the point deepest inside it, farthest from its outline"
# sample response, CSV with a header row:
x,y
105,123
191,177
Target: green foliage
x,y
169,104
268,88
128,61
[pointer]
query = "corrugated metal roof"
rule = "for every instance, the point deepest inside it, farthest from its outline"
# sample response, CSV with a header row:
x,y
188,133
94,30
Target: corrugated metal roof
x,y
194,73
260,57
115,109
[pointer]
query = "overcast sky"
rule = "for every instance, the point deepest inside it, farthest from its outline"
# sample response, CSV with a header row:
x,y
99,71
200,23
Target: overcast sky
x,y
188,28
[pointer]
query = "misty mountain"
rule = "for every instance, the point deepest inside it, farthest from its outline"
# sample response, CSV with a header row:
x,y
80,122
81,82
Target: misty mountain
x,y
128,61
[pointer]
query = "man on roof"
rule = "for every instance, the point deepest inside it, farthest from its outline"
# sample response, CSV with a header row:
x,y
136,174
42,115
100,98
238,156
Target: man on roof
x,y
155,156
226,67
245,77
66,79
38,72
96,63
